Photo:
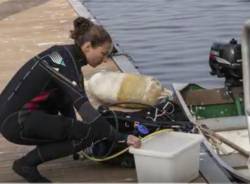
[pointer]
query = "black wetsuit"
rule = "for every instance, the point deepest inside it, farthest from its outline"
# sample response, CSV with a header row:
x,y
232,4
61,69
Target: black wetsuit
x,y
37,106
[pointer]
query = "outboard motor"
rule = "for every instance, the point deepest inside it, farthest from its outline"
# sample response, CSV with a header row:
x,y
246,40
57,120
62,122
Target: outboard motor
x,y
225,61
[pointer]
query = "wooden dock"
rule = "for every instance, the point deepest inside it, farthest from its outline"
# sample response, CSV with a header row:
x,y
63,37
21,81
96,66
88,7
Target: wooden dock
x,y
62,170
26,28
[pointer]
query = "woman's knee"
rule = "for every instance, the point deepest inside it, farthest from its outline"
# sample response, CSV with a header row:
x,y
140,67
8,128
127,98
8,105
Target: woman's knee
x,y
10,128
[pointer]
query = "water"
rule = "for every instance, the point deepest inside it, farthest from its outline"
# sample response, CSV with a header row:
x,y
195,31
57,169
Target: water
x,y
170,39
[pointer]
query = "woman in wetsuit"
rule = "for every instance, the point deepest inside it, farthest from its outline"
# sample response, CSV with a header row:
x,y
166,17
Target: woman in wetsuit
x,y
37,105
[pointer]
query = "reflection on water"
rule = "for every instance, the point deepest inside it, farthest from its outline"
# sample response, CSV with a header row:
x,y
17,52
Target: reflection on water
x,y
170,39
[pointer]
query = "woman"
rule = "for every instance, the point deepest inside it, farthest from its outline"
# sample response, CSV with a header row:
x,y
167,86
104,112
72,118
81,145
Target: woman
x,y
37,105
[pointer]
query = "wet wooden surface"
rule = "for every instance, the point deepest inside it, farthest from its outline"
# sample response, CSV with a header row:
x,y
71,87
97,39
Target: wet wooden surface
x,y
62,170
28,30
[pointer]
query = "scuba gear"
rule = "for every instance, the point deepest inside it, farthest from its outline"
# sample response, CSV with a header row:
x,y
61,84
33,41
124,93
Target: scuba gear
x,y
27,167
43,114
166,115
30,173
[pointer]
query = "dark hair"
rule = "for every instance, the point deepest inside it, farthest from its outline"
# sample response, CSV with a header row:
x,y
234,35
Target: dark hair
x,y
86,31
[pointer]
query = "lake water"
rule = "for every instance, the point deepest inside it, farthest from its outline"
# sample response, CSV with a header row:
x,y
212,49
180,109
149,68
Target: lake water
x,y
170,39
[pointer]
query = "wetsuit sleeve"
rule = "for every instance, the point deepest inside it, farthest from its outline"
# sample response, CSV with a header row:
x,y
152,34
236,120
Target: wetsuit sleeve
x,y
80,101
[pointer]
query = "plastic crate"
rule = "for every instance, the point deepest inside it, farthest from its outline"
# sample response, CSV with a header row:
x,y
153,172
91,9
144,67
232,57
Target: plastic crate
x,y
168,157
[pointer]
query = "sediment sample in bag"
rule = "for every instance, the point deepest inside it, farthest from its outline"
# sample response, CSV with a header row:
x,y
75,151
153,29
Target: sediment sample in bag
x,y
117,87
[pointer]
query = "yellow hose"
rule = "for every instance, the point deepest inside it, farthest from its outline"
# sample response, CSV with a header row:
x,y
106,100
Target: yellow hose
x,y
124,150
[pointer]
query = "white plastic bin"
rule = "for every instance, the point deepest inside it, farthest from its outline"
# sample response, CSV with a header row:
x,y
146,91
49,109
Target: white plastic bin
x,y
168,157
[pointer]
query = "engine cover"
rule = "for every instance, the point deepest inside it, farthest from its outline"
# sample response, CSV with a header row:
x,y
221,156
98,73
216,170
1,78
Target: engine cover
x,y
225,61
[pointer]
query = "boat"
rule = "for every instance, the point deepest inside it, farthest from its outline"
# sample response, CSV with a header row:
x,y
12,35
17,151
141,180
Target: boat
x,y
221,116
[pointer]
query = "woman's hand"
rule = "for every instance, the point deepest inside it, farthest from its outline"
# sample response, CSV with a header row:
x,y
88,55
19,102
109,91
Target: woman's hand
x,y
133,141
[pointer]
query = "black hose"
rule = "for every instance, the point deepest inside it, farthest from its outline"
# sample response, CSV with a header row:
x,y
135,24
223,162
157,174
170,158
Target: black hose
x,y
113,142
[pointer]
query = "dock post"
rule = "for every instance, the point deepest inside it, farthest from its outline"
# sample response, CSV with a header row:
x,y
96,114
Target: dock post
x,y
245,51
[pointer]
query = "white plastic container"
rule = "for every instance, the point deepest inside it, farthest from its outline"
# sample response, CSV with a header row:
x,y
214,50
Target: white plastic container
x,y
168,157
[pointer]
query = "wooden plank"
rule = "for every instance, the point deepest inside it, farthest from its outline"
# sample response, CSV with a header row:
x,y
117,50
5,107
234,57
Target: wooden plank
x,y
225,123
5,11
210,96
235,160
77,171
